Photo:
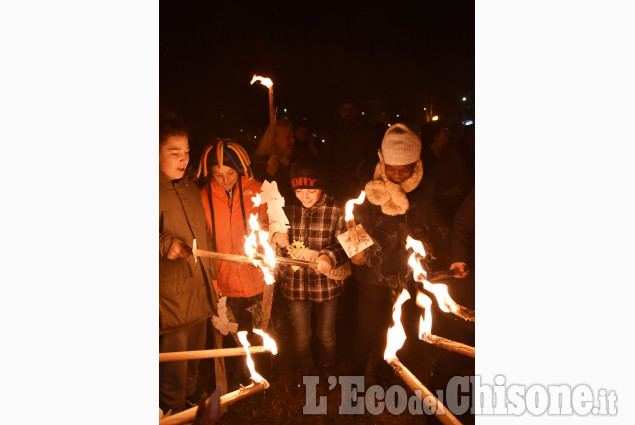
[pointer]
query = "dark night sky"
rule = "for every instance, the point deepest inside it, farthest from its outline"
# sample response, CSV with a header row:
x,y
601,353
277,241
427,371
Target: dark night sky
x,y
392,57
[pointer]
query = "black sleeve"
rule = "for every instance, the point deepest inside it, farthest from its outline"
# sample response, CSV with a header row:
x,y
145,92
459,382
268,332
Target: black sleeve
x,y
462,237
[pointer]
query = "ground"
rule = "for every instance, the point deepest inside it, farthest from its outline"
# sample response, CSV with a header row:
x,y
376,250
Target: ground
x,y
281,404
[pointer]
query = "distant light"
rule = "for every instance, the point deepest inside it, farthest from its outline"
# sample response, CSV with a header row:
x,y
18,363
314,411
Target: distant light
x,y
464,99
467,122
285,110
425,109
397,115
323,140
314,135
388,125
435,118
363,113
241,131
255,137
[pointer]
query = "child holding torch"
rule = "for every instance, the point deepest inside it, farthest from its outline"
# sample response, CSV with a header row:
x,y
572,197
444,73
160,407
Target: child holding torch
x,y
186,295
399,202
228,198
315,222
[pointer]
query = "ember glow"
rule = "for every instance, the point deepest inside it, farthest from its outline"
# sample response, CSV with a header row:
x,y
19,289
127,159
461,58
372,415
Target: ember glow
x,y
267,341
440,290
255,376
396,335
264,81
351,204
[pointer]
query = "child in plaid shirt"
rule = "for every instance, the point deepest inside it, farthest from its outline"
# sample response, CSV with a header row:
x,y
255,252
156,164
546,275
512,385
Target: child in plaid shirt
x,y
315,222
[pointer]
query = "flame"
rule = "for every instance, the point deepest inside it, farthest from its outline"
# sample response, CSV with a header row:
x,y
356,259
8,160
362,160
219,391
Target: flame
x,y
255,376
251,248
440,290
418,272
251,244
396,335
270,255
267,341
416,245
351,204
264,81
256,200
425,326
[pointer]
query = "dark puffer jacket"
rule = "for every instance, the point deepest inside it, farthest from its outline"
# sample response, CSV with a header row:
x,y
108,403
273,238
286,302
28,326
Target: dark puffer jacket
x,y
387,260
184,294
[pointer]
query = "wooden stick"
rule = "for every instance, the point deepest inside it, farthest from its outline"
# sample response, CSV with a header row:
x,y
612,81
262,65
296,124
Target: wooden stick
x,y
445,416
225,400
243,259
352,228
272,113
209,354
448,344
440,275
233,258
465,314
295,262
267,303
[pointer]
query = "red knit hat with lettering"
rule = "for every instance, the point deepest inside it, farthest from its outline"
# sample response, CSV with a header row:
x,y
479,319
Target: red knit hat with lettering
x,y
400,146
308,173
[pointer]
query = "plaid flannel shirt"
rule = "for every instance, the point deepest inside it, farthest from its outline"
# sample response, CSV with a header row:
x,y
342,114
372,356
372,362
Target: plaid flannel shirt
x,y
317,227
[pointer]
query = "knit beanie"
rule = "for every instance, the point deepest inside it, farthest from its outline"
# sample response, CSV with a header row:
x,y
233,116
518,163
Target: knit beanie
x,y
308,173
225,152
400,146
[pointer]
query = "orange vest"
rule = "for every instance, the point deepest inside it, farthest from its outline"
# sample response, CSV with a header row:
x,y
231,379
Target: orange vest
x,y
233,279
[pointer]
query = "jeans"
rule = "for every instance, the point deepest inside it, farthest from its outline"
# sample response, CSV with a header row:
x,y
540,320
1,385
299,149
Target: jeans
x,y
325,314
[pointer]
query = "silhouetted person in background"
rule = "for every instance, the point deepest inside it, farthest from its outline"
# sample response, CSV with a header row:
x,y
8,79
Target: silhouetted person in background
x,y
348,152
441,161
273,157
462,252
305,142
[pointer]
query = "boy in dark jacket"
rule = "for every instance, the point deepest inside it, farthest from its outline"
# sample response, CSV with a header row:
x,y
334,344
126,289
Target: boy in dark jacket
x,y
186,296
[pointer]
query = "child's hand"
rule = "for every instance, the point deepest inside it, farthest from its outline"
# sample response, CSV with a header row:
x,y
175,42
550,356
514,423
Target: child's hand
x,y
324,264
359,258
460,269
282,239
179,249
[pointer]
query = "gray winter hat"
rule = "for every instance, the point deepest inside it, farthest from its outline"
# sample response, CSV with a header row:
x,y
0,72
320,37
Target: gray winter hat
x,y
400,146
